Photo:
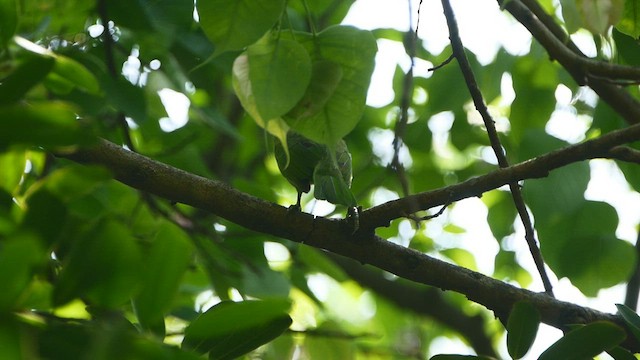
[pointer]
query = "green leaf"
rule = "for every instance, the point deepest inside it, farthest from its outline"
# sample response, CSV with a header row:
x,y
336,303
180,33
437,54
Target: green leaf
x,y
8,21
126,97
46,215
631,318
103,266
354,51
619,353
66,73
571,15
230,329
56,123
628,49
162,269
19,255
585,342
522,328
459,357
76,180
75,74
597,15
28,74
243,89
587,251
233,25
279,71
13,165
325,78
630,22
11,346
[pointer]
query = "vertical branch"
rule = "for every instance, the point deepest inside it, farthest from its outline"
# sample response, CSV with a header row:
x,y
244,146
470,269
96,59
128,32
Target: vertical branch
x,y
107,39
405,104
478,100
633,286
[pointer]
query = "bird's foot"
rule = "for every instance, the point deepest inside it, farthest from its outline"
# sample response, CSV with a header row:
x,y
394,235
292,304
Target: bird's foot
x,y
353,218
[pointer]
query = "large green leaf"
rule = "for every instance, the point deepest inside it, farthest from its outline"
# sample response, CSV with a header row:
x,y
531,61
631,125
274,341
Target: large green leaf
x,y
126,97
10,345
233,25
522,328
103,266
46,215
55,122
19,256
353,50
25,76
628,48
585,342
535,80
8,20
230,329
279,71
66,73
630,22
12,164
244,90
69,73
559,193
631,318
163,267
593,15
325,77
587,251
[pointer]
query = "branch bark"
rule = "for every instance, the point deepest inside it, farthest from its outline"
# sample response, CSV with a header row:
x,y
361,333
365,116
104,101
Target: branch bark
x,y
557,43
334,235
422,300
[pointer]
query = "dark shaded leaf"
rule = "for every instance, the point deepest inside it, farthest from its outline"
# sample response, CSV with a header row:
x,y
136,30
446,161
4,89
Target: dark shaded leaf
x,y
585,342
522,328
233,25
231,329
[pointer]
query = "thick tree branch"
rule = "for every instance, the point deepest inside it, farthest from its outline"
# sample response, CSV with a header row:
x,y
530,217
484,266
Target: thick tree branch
x,y
559,46
177,185
426,301
539,167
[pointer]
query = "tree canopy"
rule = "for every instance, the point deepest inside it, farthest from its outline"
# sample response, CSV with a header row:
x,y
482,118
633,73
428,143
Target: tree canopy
x,y
143,214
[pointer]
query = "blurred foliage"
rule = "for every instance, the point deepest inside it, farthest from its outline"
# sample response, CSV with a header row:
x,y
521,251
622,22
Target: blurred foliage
x,y
91,268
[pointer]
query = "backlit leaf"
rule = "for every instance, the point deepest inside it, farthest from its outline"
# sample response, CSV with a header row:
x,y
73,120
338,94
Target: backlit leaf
x,y
233,25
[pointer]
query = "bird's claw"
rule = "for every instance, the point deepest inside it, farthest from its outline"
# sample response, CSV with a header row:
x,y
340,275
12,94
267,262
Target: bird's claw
x,y
353,218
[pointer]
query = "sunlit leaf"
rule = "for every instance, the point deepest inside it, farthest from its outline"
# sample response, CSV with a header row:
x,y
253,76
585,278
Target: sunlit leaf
x,y
279,71
19,256
354,51
244,90
233,25
630,22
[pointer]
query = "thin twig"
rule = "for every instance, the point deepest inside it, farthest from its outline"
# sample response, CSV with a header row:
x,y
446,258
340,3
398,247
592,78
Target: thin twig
x,y
451,57
405,104
109,44
559,47
516,193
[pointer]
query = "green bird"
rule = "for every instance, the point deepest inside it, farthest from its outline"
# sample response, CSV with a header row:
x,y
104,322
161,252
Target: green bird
x,y
328,169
